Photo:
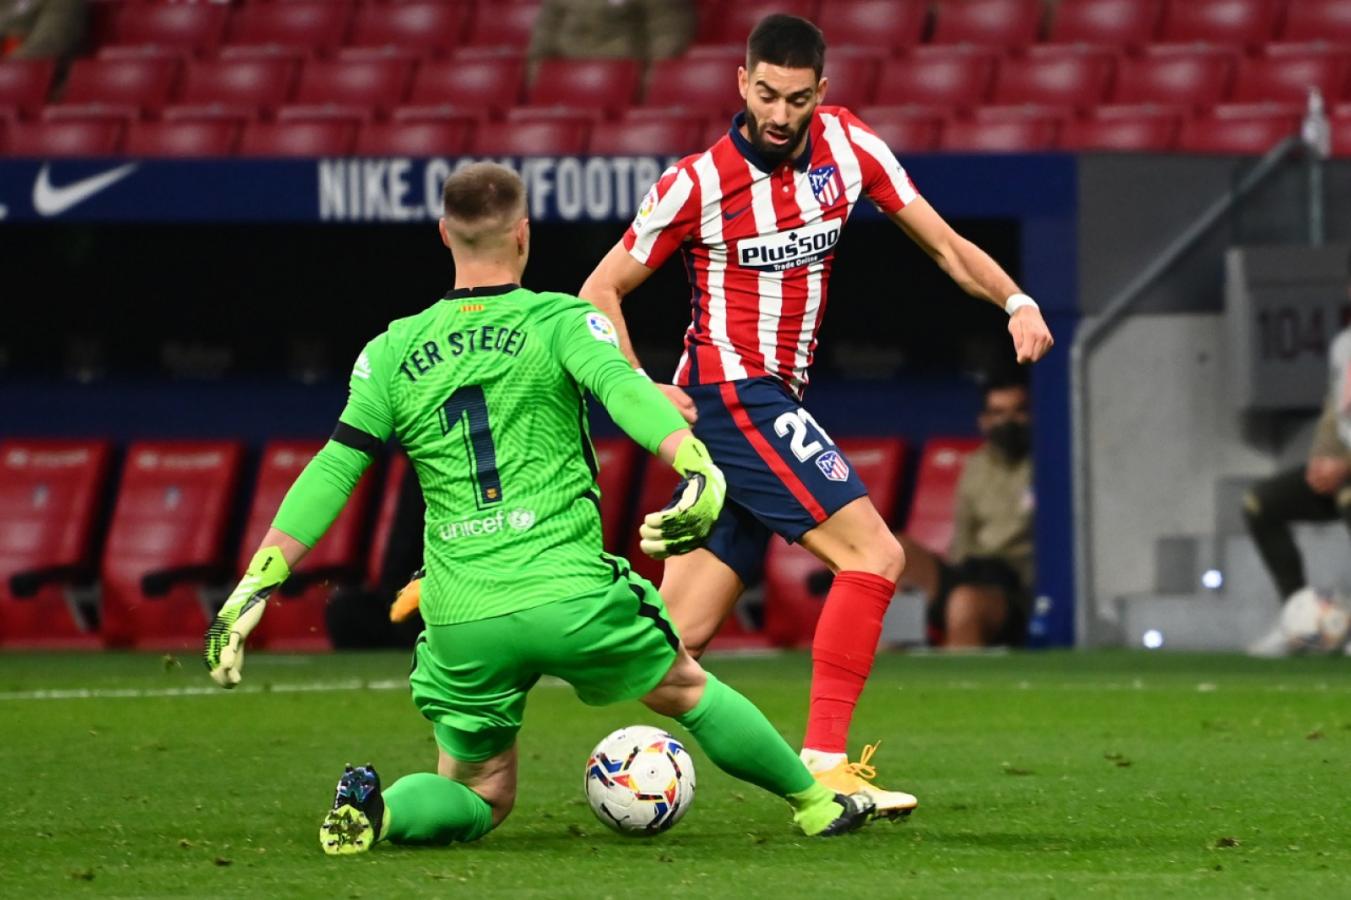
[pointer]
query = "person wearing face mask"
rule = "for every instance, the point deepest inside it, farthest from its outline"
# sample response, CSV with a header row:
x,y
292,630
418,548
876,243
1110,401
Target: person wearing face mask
x,y
980,594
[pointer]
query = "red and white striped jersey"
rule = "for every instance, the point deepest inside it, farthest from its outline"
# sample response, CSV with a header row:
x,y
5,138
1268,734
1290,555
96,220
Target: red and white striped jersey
x,y
759,243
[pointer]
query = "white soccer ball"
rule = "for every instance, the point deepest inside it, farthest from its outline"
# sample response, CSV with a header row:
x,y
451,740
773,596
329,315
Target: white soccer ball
x,y
1315,621
639,780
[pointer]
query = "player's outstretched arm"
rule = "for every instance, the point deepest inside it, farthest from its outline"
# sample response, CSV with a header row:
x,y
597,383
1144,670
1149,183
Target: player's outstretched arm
x,y
617,275
223,652
980,276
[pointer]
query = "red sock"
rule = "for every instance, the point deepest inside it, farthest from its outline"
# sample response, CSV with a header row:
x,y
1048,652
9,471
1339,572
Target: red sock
x,y
842,655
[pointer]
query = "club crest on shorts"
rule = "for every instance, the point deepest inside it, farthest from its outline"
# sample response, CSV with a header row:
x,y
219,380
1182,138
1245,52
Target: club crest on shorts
x,y
833,466
826,185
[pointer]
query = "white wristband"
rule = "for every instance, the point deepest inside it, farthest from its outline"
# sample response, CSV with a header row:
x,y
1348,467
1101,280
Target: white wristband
x,y
643,372
1017,302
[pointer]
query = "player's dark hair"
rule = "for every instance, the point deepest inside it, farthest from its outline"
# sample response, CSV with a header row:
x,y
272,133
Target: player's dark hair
x,y
483,192
1004,381
788,41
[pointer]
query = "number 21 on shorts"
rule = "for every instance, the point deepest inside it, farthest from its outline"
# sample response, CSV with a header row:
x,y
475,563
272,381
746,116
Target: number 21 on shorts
x,y
796,423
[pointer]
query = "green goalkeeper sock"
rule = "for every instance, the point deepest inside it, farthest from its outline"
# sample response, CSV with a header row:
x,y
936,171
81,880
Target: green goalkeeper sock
x,y
741,742
424,808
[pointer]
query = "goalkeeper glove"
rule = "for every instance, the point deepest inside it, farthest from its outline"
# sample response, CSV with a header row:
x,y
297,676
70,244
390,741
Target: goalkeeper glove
x,y
685,522
224,649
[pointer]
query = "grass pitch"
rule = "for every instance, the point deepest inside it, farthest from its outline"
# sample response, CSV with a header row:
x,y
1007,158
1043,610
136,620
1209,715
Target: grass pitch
x,y
1039,775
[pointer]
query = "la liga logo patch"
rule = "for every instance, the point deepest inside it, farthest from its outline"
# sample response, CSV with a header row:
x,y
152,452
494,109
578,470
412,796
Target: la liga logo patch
x,y
602,329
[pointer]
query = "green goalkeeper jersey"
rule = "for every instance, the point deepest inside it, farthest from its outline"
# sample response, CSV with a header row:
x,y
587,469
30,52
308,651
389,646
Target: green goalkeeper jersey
x,y
485,390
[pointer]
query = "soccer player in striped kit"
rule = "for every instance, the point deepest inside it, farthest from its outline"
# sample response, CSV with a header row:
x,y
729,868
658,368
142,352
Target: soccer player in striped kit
x,y
757,216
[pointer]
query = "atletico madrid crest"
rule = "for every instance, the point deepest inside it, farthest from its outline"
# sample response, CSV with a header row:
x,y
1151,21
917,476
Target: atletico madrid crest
x,y
827,185
833,466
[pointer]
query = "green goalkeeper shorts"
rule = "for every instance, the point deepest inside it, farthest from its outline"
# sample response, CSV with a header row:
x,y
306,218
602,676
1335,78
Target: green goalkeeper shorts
x,y
470,679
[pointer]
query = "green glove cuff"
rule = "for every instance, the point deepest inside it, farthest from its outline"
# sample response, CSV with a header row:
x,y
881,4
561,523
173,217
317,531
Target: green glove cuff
x,y
266,570
692,458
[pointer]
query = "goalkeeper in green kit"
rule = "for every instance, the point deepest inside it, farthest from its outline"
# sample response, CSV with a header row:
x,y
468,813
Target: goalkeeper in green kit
x,y
485,392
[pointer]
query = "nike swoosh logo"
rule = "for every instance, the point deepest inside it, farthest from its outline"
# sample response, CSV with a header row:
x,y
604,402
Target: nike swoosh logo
x,y
729,216
51,200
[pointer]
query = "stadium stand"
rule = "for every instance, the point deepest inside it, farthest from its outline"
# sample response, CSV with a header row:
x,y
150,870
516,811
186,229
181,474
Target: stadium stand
x,y
24,84
1125,24
930,521
887,25
530,138
946,78
1196,79
1026,133
396,469
376,84
987,23
1228,22
605,84
295,616
307,27
192,28
1318,21
619,462
730,21
694,84
478,86
416,131
167,539
507,28
794,578
426,28
333,137
633,136
137,83
182,138
51,500
1251,134
1286,75
1069,79
1124,128
905,129
89,137
249,87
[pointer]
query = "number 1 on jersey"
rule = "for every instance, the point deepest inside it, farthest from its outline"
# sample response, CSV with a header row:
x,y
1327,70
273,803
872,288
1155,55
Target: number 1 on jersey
x,y
469,404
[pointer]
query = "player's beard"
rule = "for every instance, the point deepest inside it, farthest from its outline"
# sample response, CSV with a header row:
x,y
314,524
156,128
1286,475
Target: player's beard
x,y
774,153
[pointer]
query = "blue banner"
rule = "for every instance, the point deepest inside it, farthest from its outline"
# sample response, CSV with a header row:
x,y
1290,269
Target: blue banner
x,y
403,189
394,189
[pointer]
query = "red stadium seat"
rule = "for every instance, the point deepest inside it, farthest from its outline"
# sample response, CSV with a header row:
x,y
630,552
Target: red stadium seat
x,y
1115,23
1026,134
143,83
87,137
540,138
791,571
1191,79
1233,22
904,129
91,112
606,84
488,85
987,23
182,139
732,21
507,25
335,137
671,134
618,459
852,80
260,85
1288,77
191,27
385,512
1069,79
143,51
1318,20
24,84
423,27
51,496
313,27
444,136
356,116
1124,128
1251,135
376,84
295,615
881,24
934,504
705,85
1341,136
949,77
167,538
